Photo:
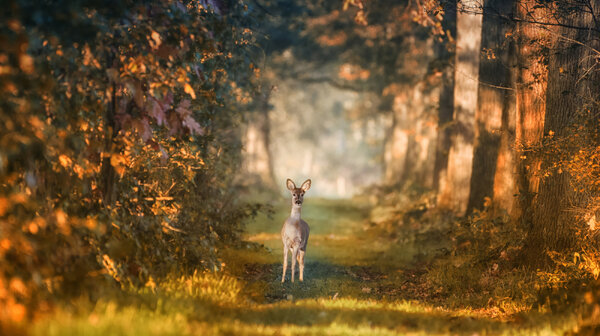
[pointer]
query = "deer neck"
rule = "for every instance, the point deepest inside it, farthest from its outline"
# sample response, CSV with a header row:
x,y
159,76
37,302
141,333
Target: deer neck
x,y
296,210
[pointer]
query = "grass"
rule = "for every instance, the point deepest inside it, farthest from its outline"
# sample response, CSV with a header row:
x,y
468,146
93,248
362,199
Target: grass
x,y
356,283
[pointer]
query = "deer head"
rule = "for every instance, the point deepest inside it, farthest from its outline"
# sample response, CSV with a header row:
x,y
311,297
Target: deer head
x,y
297,193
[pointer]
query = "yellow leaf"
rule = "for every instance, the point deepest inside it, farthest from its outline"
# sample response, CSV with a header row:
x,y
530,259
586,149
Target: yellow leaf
x,y
156,39
64,160
189,90
118,162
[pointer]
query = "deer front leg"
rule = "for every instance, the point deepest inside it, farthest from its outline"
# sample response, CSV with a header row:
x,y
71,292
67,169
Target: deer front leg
x,y
301,264
294,257
285,256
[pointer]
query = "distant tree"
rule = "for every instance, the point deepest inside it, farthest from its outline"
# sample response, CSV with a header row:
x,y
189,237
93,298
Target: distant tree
x,y
256,139
493,169
454,192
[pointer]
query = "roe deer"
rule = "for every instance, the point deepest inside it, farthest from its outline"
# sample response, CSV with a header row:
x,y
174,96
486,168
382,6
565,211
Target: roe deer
x,y
295,231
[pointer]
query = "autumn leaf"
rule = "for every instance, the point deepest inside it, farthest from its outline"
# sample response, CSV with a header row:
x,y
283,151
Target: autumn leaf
x,y
142,125
118,162
65,161
183,109
189,90
155,40
187,121
192,125
157,110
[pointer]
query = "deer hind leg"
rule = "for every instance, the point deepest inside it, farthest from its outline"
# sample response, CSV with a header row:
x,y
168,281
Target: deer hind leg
x,y
285,256
294,257
301,264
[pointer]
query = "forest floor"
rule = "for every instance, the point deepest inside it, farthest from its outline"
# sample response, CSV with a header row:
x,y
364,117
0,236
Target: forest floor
x,y
357,282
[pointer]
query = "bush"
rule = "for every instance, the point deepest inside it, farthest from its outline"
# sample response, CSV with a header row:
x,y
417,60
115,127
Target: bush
x,y
114,159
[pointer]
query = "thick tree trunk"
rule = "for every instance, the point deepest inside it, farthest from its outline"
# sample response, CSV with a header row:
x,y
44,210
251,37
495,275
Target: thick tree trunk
x,y
532,76
554,224
494,106
455,193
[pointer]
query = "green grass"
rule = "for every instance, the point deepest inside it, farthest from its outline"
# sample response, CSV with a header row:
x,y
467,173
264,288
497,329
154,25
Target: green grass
x,y
356,283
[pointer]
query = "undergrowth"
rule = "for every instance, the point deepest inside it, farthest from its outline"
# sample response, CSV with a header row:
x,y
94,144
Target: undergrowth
x,y
479,264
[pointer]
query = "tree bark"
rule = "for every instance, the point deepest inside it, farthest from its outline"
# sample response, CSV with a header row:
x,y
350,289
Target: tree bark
x,y
532,76
492,152
554,224
455,193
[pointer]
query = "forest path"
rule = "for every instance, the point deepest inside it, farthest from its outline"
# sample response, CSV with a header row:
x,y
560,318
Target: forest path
x,y
356,283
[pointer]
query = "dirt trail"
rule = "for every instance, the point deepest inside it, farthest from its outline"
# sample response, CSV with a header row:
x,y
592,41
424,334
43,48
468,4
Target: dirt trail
x,y
355,283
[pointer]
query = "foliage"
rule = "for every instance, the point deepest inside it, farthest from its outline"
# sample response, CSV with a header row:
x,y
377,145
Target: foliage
x,y
117,142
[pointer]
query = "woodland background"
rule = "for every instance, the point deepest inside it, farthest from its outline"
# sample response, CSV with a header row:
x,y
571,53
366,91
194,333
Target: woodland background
x,y
138,138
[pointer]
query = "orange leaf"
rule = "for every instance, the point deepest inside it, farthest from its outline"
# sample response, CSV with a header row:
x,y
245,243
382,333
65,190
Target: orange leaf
x,y
189,90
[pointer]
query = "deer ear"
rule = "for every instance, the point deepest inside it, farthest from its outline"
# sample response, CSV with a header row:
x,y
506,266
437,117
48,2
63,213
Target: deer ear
x,y
290,184
306,185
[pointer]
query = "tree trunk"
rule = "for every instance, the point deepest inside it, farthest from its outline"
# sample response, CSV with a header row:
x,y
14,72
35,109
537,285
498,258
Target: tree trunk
x,y
455,193
258,163
505,185
446,98
409,149
532,76
554,224
107,171
396,146
494,106
418,170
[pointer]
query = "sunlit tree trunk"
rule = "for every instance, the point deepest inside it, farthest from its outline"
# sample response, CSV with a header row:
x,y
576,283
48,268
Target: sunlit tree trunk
x,y
257,160
495,105
532,76
455,193
554,222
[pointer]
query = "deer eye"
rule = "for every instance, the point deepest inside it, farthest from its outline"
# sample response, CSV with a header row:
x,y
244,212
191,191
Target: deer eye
x,y
295,195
